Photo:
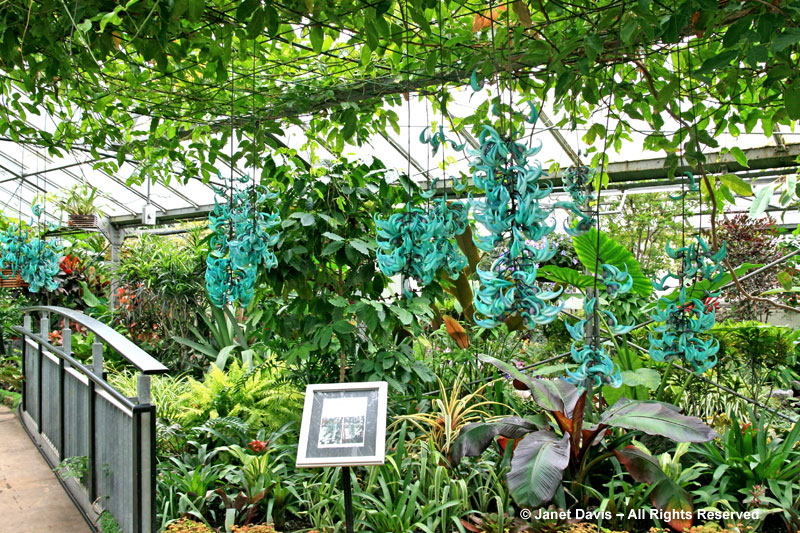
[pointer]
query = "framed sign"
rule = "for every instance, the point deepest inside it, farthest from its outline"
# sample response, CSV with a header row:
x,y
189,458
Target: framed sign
x,y
344,424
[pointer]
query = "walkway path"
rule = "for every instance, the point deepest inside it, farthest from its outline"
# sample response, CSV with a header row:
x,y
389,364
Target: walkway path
x,y
31,498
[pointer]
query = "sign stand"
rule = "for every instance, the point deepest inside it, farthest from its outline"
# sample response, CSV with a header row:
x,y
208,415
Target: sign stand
x,y
344,424
348,499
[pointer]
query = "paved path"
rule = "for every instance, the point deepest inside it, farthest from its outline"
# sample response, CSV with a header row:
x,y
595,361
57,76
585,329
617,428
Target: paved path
x,y
31,498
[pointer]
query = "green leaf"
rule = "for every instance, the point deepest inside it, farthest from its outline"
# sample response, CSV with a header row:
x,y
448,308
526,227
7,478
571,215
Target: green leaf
x,y
338,301
785,39
350,123
761,201
222,356
332,247
550,395
307,219
739,156
324,337
737,184
567,276
726,193
647,377
656,418
343,327
360,245
256,24
195,9
88,296
785,279
317,37
666,495
405,316
538,468
207,350
717,61
476,437
628,31
333,236
791,100
612,253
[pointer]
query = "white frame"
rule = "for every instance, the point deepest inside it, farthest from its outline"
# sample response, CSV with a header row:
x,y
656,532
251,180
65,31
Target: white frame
x,y
303,461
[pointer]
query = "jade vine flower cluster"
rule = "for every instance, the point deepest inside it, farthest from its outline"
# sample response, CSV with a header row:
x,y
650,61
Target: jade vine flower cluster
x,y
512,213
418,242
697,261
36,261
594,364
684,318
576,182
241,241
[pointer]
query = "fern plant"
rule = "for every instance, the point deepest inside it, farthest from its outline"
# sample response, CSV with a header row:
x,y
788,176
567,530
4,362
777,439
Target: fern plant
x,y
262,397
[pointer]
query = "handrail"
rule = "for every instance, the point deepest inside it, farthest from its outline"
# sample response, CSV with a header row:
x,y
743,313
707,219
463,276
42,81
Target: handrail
x,y
122,345
98,381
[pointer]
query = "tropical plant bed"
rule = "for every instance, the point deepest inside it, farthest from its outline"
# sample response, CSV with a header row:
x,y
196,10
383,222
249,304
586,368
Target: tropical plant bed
x,y
184,525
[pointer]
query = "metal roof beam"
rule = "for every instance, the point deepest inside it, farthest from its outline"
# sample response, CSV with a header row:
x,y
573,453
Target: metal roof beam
x,y
168,215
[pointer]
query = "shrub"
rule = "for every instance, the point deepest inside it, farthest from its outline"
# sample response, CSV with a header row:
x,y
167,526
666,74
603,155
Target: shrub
x,y
262,397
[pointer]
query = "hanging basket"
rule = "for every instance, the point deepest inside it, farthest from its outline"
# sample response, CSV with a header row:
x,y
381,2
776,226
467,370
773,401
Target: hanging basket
x,y
83,221
10,281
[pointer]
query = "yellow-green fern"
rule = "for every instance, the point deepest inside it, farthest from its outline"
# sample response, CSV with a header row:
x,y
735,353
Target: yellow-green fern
x,y
261,397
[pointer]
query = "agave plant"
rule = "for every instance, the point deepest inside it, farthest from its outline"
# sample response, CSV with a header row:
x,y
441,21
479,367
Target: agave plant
x,y
567,442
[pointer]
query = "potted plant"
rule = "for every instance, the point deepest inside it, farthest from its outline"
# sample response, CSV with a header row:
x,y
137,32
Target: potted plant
x,y
11,242
11,280
79,203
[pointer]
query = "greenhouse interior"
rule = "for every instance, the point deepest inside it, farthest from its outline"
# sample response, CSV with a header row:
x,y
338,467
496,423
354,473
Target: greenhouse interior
x,y
438,266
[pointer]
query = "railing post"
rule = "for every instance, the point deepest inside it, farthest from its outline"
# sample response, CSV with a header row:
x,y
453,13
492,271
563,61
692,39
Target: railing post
x,y
26,323
145,446
66,347
97,369
44,333
143,388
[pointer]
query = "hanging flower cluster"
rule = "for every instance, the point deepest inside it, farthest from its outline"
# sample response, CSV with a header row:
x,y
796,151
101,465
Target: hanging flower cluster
x,y
418,242
36,261
511,212
510,287
241,241
683,319
13,249
697,261
594,365
42,265
576,182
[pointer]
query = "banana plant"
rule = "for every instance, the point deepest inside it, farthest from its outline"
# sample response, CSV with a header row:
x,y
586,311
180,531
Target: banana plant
x,y
568,441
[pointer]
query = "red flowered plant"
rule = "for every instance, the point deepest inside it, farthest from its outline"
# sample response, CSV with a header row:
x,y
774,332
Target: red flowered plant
x,y
258,446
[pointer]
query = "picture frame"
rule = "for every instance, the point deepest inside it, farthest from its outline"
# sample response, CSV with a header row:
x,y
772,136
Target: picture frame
x,y
344,424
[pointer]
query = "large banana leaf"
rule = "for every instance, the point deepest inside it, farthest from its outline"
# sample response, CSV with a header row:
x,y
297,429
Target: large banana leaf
x,y
657,418
476,437
538,468
551,395
611,253
666,494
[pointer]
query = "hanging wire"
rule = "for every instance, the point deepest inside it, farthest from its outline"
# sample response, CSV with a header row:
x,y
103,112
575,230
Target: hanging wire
x,y
610,82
